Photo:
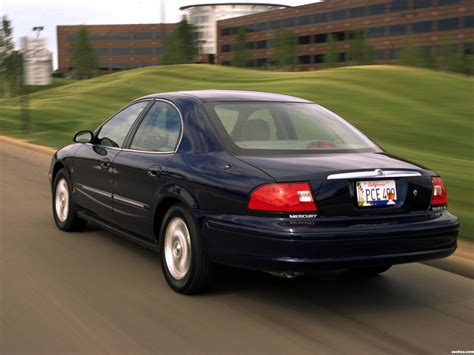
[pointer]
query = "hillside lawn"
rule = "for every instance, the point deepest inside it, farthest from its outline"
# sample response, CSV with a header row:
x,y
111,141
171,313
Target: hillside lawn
x,y
421,115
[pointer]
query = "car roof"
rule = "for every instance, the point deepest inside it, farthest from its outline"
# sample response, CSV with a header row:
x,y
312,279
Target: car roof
x,y
228,96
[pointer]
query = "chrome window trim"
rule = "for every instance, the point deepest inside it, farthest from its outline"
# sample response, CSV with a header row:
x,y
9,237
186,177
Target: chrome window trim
x,y
374,174
178,141
145,151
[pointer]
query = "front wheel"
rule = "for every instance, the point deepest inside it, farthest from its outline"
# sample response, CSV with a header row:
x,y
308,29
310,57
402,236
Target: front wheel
x,y
64,209
183,258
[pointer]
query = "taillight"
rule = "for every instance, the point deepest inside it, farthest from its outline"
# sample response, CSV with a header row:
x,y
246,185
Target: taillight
x,y
439,197
283,197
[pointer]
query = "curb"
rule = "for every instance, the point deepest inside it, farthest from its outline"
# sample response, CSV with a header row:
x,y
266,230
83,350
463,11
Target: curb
x,y
454,264
461,263
25,144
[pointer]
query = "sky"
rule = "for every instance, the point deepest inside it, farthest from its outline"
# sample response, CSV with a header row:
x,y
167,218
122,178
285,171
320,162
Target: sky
x,y
25,14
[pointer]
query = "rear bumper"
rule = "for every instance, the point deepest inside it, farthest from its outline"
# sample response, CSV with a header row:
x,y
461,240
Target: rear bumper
x,y
269,245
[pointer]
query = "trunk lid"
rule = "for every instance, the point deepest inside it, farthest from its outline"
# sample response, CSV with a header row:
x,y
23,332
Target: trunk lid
x,y
334,178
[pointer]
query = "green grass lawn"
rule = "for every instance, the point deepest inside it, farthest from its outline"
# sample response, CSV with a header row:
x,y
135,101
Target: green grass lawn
x,y
421,115
56,82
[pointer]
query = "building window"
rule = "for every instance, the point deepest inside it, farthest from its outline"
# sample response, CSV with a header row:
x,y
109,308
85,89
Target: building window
x,y
104,66
288,22
376,9
419,4
319,58
275,24
338,15
304,59
98,36
397,30
261,62
101,52
161,35
261,44
322,17
357,12
120,51
159,51
393,53
341,57
250,27
468,48
448,24
398,5
376,32
143,51
262,26
119,66
448,2
226,31
339,36
226,48
304,40
199,19
304,20
380,54
469,22
142,36
249,45
422,27
120,36
320,38
73,36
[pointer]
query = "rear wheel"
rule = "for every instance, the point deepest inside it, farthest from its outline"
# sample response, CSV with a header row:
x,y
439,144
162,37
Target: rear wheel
x,y
183,258
369,271
64,209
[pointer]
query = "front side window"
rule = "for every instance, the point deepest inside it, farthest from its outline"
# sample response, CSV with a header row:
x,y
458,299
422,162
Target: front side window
x,y
160,129
285,127
114,131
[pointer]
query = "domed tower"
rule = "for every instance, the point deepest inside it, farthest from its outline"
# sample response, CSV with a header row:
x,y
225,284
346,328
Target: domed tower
x,y
204,18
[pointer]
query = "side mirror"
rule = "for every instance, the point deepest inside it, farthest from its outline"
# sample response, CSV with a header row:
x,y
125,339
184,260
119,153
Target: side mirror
x,y
83,137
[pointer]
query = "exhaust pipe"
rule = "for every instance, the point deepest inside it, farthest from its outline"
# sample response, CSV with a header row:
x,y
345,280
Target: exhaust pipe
x,y
286,274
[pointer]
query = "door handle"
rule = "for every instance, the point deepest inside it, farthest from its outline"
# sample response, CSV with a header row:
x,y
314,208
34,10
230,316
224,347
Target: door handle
x,y
154,171
105,164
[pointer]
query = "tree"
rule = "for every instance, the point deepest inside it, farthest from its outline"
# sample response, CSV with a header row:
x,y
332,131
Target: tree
x,y
241,55
284,49
410,55
6,52
180,47
330,59
84,59
448,59
361,51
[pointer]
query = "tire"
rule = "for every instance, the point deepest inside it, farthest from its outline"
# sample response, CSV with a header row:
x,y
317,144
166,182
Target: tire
x,y
64,209
369,271
183,257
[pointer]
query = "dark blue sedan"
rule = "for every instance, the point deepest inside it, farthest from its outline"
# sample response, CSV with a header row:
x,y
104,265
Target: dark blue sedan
x,y
253,180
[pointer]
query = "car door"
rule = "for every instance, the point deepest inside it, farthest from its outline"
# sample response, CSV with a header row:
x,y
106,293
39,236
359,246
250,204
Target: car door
x,y
140,169
93,173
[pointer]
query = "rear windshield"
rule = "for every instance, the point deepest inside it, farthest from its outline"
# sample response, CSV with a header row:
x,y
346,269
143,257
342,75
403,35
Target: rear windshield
x,y
286,127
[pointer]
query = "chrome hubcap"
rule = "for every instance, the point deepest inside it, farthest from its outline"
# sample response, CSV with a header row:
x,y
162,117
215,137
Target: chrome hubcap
x,y
61,200
177,248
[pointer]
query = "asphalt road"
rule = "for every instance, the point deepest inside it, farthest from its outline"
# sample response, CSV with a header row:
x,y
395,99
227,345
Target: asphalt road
x,y
94,292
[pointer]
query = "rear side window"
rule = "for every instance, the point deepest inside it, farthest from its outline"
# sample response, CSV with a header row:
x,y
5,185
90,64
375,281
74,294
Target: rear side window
x,y
114,131
159,130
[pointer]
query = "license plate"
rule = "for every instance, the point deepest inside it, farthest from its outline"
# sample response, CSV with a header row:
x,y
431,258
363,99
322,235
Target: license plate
x,y
376,193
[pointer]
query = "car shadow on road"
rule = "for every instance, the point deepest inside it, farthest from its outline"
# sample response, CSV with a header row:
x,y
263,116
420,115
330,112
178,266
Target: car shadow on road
x,y
323,288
